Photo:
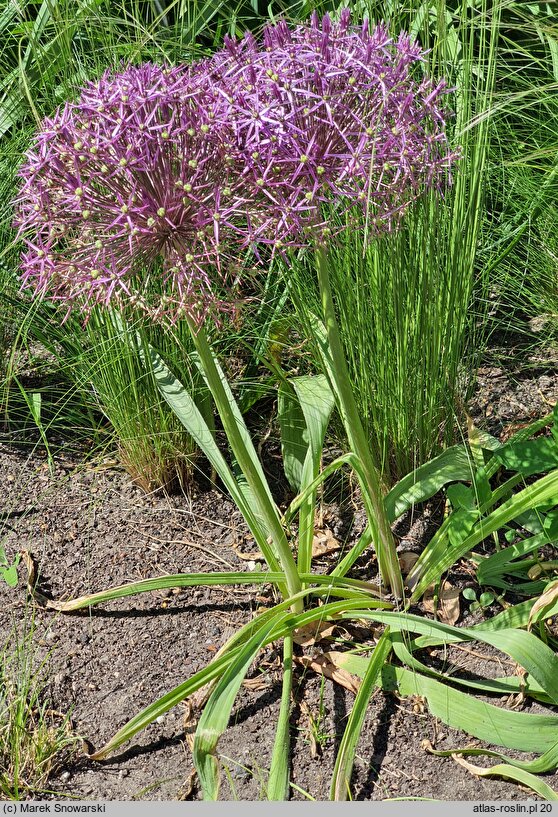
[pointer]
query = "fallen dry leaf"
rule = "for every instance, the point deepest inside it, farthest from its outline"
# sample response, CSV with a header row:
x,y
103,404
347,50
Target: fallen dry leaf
x,y
447,608
311,633
256,684
324,542
325,664
545,600
407,560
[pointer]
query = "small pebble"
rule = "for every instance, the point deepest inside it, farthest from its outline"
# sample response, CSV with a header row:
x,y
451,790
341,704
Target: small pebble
x,y
65,776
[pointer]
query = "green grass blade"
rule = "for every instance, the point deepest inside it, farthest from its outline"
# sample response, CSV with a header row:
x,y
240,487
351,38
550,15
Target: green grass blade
x,y
341,780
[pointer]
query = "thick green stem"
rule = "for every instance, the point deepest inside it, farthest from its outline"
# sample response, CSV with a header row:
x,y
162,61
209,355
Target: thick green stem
x,y
370,482
245,460
278,787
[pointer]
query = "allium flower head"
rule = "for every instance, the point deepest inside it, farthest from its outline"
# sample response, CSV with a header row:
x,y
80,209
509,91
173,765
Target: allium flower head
x,y
328,112
132,180
171,174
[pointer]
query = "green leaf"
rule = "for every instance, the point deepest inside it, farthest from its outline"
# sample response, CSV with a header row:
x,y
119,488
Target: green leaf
x,y
191,418
460,524
438,556
217,711
530,457
504,727
461,496
452,465
317,402
499,686
517,775
9,574
545,763
501,562
278,785
329,611
305,405
8,571
294,435
523,647
341,780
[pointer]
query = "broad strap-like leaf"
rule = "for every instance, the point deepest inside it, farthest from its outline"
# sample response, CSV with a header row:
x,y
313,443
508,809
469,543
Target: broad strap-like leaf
x,y
340,783
305,406
522,647
294,435
453,465
529,457
508,728
189,415
215,716
278,785
439,555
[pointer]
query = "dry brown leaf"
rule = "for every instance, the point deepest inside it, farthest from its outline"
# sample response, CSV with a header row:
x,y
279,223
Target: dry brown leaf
x,y
447,608
325,665
546,599
256,684
324,542
188,787
311,633
407,560
253,556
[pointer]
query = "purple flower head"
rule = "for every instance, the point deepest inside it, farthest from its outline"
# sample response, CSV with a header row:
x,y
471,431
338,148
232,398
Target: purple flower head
x,y
328,113
170,175
134,180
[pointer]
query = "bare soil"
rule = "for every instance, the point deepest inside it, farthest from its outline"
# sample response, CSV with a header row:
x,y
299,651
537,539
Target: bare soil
x,y
90,528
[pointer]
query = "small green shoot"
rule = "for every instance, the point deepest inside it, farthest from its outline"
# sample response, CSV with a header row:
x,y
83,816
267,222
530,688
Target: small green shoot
x,y
482,602
35,740
8,570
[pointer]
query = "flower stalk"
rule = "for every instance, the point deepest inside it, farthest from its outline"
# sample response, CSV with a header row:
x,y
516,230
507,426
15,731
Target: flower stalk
x,y
280,557
369,476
